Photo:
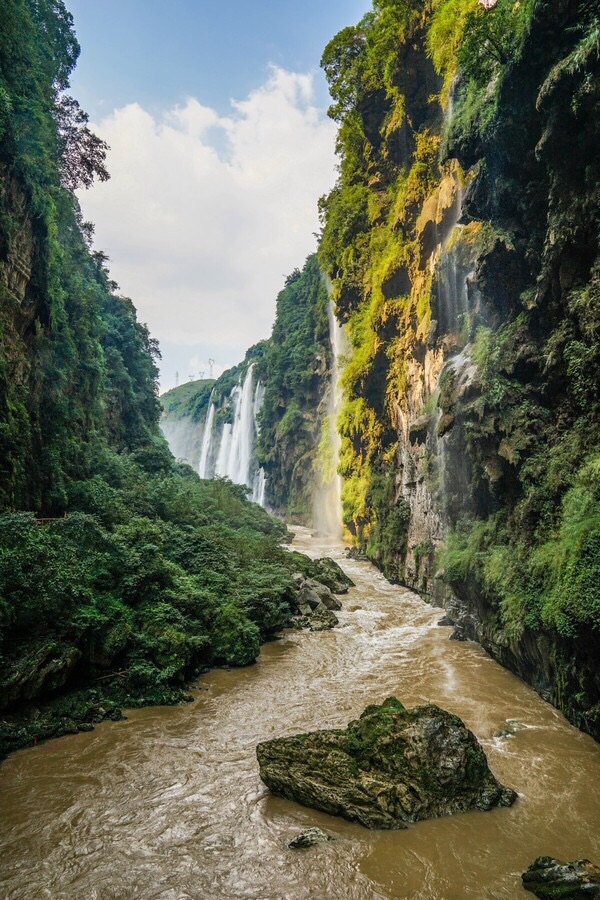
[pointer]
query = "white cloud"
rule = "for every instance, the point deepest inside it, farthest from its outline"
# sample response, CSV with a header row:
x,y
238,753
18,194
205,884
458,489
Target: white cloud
x,y
204,215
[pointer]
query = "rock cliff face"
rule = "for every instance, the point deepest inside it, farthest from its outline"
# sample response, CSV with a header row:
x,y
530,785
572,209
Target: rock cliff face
x,y
462,243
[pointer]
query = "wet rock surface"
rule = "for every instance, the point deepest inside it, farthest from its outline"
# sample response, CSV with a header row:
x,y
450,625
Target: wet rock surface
x,y
549,878
315,598
391,767
323,619
309,838
333,576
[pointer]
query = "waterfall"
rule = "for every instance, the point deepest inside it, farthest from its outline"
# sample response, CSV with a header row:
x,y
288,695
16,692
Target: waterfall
x,y
327,505
242,432
260,486
236,458
223,457
207,440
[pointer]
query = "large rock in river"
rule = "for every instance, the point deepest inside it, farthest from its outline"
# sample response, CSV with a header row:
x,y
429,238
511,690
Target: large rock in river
x,y
391,767
549,878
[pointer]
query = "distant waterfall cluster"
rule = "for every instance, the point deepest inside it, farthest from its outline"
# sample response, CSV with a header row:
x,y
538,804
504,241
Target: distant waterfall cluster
x,y
228,451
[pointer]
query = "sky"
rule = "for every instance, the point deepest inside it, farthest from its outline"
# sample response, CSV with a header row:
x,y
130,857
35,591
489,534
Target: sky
x,y
215,113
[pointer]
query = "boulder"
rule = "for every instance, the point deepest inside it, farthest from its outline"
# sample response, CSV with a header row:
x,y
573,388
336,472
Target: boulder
x,y
307,598
323,593
323,619
445,621
309,838
459,634
549,878
389,768
298,579
355,553
43,670
331,574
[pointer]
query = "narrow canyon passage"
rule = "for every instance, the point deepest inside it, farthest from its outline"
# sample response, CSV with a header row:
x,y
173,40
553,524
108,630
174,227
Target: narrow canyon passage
x,y
168,804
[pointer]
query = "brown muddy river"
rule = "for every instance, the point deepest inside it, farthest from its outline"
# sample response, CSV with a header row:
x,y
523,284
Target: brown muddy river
x,y
169,805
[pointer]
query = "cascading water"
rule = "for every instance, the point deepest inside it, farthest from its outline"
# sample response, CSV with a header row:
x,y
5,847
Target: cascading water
x,y
207,440
260,480
223,457
242,433
260,487
237,441
327,506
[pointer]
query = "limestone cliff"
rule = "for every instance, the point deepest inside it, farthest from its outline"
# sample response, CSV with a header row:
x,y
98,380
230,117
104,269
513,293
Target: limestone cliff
x,y
462,243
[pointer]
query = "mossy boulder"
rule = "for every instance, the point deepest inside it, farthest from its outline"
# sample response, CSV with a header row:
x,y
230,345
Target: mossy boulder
x,y
391,767
331,574
325,596
549,878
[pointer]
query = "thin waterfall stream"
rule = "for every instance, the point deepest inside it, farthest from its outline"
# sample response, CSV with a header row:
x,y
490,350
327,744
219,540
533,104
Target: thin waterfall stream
x,y
207,439
169,804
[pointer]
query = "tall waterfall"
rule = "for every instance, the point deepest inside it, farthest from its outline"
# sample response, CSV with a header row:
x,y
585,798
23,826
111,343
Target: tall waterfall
x,y
207,439
228,451
223,457
327,505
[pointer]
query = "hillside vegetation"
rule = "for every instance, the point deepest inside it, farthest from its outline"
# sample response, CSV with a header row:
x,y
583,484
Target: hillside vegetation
x,y
122,575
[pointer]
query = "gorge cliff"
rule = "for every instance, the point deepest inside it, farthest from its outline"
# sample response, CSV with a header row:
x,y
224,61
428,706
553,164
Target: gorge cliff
x,y
462,245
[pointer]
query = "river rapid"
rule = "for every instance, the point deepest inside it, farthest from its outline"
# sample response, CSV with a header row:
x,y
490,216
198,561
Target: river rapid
x,y
168,804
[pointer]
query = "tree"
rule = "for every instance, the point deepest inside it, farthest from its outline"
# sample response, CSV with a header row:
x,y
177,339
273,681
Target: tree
x,y
82,154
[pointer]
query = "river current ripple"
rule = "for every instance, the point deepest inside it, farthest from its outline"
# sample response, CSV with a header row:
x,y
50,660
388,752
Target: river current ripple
x,y
168,804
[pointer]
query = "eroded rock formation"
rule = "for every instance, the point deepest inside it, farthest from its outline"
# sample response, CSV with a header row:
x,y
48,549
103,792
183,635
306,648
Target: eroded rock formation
x,y
391,767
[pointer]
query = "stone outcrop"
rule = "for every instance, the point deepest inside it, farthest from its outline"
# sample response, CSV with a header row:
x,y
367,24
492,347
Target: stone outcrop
x,y
314,588
309,838
332,575
322,619
391,767
550,879
315,600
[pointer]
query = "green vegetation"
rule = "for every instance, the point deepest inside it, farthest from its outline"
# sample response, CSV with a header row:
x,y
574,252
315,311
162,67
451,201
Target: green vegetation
x,y
294,370
158,576
388,112
189,399
122,575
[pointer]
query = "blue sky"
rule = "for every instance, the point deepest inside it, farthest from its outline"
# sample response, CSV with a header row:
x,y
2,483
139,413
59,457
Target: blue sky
x,y
220,148
157,52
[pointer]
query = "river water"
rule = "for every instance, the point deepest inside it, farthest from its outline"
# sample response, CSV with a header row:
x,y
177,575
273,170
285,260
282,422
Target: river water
x,y
168,804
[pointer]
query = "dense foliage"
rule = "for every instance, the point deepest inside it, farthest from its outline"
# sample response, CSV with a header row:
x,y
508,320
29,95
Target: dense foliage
x,y
536,553
295,370
122,575
389,116
155,576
